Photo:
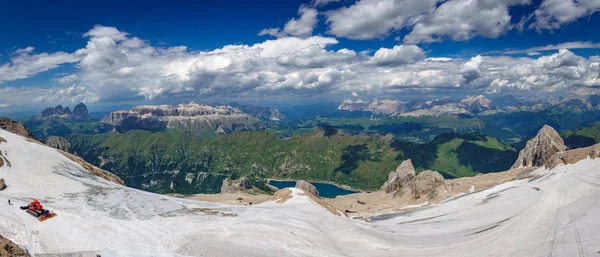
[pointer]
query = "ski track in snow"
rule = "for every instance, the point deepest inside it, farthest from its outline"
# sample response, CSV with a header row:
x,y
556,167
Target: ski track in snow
x,y
555,214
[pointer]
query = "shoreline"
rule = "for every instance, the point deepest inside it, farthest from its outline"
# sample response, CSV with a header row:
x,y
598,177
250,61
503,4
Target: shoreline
x,y
321,182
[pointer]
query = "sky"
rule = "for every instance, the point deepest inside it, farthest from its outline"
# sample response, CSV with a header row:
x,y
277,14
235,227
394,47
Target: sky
x,y
122,53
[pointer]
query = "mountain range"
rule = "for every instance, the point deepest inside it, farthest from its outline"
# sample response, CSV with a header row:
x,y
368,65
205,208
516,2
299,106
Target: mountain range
x,y
471,105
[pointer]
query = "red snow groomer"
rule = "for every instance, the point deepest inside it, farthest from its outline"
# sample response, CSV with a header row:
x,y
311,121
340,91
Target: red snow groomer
x,y
35,209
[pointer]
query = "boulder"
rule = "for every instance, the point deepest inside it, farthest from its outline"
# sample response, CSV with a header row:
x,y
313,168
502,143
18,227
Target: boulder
x,y
15,127
2,184
58,143
426,183
539,150
307,187
400,178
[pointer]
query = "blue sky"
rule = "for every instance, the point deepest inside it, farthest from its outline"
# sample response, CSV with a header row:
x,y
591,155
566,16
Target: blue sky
x,y
113,53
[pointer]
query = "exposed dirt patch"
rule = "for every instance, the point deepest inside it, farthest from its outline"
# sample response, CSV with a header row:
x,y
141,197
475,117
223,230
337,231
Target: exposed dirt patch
x,y
282,195
34,141
238,198
10,249
4,160
325,205
366,204
2,140
205,211
93,169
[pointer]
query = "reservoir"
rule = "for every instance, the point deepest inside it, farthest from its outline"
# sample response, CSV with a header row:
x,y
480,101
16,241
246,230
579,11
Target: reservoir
x,y
325,190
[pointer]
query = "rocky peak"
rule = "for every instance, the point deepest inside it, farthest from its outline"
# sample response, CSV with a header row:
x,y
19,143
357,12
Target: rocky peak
x,y
427,183
400,178
349,105
539,150
14,127
58,143
477,103
307,187
56,111
386,106
80,111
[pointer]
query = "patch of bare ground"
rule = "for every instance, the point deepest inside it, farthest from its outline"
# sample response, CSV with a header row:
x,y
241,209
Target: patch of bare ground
x,y
93,169
2,140
34,141
205,211
325,205
365,204
282,195
4,160
10,249
238,198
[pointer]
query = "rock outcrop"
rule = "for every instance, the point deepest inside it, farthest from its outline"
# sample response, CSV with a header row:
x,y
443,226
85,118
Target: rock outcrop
x,y
10,249
400,178
80,112
233,186
58,143
539,150
15,127
307,187
404,180
2,184
427,183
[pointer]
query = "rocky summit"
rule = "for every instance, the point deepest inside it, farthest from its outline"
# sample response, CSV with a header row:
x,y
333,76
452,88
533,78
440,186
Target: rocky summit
x,y
80,112
193,117
539,150
399,178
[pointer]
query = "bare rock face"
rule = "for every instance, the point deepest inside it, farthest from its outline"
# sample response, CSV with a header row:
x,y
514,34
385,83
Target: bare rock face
x,y
193,117
80,112
307,187
58,143
426,183
400,178
15,127
540,149
233,186
2,184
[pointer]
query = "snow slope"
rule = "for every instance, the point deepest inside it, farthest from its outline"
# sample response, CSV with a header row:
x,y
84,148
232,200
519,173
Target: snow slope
x,y
555,214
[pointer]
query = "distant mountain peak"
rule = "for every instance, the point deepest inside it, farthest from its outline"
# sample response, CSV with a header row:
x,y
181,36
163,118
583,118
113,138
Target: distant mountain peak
x,y
79,112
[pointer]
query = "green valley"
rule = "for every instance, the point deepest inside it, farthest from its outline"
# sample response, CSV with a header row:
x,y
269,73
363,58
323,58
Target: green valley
x,y
179,162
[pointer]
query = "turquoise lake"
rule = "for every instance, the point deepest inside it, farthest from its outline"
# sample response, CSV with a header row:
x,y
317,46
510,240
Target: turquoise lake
x,y
325,190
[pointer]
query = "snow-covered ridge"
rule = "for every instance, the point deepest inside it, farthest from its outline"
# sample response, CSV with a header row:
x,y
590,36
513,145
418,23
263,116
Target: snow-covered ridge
x,y
551,213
